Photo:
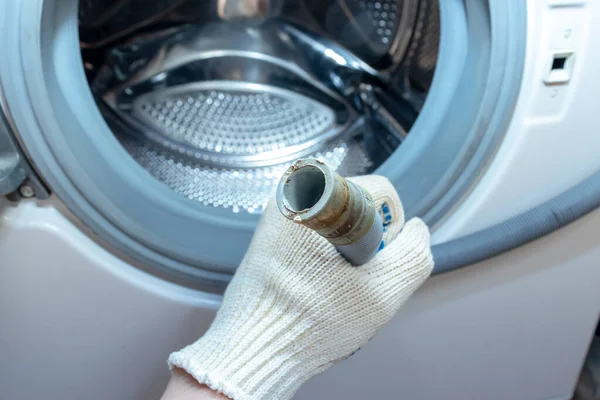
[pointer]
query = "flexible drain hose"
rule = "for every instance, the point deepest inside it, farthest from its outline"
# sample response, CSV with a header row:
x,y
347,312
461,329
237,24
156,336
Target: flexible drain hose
x,y
312,194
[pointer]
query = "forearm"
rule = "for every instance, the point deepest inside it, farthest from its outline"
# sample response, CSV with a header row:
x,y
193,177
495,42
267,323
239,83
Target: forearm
x,y
184,387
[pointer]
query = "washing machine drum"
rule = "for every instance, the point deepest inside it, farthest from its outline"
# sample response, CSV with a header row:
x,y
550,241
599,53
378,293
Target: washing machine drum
x,y
216,98
168,131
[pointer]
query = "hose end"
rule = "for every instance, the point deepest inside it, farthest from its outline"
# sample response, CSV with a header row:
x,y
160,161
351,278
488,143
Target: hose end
x,y
310,193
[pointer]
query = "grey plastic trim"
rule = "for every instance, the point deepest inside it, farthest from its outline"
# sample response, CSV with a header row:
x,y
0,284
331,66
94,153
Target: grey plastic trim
x,y
519,230
13,169
72,148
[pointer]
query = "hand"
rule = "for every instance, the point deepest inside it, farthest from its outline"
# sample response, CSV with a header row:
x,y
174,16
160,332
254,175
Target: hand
x,y
296,306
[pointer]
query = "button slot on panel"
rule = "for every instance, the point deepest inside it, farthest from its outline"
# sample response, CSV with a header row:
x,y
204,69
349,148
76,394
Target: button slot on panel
x,y
560,67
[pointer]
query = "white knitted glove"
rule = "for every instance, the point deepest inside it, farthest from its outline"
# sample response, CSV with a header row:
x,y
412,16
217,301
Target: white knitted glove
x,y
296,306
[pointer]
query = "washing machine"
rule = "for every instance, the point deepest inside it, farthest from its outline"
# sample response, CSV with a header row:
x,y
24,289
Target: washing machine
x,y
140,141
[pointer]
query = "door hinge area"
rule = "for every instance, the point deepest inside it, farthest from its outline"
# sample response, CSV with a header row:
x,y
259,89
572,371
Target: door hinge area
x,y
17,178
12,170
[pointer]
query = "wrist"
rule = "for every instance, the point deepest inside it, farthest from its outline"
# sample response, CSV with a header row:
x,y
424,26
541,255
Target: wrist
x,y
182,386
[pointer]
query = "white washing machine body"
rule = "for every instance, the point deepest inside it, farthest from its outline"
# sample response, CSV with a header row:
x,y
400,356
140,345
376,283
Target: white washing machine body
x,y
79,320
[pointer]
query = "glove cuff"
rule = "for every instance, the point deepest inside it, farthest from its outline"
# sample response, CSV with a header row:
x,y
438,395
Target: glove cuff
x,y
253,360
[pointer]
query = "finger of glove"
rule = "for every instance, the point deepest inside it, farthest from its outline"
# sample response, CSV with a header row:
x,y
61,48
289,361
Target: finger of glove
x,y
402,267
387,202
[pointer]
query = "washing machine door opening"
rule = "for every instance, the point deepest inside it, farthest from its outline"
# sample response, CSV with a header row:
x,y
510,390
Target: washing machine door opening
x,y
164,129
216,104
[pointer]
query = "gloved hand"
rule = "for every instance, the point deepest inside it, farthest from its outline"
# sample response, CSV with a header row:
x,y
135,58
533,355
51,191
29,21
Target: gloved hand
x,y
295,306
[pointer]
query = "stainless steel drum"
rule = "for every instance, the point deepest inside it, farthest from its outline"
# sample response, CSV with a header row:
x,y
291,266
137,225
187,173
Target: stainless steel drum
x,y
216,98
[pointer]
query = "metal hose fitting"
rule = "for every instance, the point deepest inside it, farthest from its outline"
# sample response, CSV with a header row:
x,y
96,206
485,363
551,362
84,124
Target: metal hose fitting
x,y
312,194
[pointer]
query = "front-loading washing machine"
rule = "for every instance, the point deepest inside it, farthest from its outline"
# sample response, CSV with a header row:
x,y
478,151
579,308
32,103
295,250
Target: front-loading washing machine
x,y
140,141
